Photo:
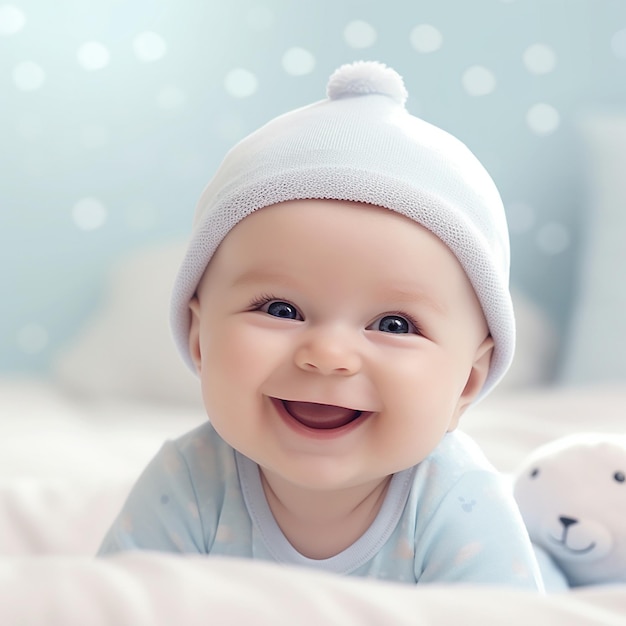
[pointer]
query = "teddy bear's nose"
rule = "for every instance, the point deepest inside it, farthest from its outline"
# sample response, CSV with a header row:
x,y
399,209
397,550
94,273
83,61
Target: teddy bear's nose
x,y
568,521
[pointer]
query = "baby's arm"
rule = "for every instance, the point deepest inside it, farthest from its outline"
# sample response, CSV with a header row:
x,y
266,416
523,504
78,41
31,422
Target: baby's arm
x,y
477,535
161,512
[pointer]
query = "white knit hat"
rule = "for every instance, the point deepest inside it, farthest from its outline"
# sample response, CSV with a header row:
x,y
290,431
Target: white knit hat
x,y
361,144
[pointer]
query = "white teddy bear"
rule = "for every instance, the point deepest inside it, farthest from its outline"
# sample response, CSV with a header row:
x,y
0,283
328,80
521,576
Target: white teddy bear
x,y
572,496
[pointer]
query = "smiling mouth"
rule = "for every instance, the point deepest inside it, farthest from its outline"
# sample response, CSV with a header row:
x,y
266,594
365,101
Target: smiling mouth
x,y
563,543
320,416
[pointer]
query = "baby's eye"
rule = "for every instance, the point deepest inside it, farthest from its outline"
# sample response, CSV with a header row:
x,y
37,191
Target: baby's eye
x,y
277,308
395,324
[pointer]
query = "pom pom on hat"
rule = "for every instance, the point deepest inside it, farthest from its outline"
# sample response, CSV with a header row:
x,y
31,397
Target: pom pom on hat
x,y
358,146
365,78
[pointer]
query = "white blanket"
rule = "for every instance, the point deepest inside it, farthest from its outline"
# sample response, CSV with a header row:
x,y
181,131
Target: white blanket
x,y
151,589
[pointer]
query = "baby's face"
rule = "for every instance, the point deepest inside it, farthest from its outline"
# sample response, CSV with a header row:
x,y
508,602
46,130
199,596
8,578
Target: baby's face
x,y
336,342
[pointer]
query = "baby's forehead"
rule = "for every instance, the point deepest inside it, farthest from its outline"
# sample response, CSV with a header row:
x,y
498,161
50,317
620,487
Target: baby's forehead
x,y
352,243
333,224
324,214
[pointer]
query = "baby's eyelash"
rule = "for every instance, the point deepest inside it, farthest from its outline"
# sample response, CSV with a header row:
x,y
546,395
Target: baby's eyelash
x,y
262,300
409,318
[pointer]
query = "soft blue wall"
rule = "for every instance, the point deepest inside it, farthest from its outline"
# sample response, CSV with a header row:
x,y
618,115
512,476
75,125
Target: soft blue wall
x,y
139,138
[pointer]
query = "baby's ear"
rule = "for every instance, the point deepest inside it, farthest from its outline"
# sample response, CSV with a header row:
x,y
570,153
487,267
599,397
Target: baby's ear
x,y
194,333
475,381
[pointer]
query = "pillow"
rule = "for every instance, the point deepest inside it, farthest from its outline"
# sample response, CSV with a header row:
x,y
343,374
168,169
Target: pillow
x,y
596,343
125,350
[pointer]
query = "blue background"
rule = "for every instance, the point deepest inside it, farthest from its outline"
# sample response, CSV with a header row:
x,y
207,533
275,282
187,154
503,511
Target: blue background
x,y
106,148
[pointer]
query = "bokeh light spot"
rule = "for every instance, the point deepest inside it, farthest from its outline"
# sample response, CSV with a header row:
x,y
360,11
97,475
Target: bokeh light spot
x,y
426,38
240,83
359,34
298,62
32,338
28,76
553,238
12,20
92,55
618,44
89,214
478,81
539,59
543,119
149,47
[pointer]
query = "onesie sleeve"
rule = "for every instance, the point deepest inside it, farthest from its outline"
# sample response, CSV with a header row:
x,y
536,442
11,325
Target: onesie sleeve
x,y
161,513
476,535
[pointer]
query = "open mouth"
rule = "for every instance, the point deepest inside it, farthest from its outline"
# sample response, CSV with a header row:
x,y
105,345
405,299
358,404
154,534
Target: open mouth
x,y
320,416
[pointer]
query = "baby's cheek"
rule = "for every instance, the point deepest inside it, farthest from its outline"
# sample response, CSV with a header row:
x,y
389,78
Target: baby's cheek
x,y
233,361
243,353
223,346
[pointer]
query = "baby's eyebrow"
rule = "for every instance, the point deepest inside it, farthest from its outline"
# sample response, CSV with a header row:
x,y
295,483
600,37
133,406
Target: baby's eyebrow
x,y
256,275
411,295
400,293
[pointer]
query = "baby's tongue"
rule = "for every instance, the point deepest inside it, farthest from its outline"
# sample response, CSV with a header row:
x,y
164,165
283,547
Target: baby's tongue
x,y
316,415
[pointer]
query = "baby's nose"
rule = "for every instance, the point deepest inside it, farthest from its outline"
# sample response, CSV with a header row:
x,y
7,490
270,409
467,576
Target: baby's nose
x,y
328,353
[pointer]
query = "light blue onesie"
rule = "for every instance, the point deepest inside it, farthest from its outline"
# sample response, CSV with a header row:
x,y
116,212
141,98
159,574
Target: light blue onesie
x,y
449,519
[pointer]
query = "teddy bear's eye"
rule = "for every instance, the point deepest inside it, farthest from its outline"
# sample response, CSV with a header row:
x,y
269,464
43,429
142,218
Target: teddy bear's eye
x,y
620,477
534,473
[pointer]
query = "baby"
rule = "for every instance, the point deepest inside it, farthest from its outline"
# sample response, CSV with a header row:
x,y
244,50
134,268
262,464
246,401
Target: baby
x,y
344,299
